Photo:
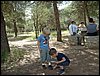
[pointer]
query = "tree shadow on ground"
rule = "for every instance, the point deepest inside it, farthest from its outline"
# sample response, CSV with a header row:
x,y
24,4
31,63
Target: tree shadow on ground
x,y
26,69
33,68
84,61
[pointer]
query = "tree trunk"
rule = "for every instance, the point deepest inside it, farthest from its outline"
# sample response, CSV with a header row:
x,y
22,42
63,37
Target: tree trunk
x,y
84,14
86,7
35,26
37,22
36,34
15,28
40,29
56,13
5,50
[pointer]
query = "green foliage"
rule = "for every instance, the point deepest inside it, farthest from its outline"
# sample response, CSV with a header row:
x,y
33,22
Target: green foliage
x,y
54,34
43,13
16,54
14,10
4,56
93,7
13,58
75,11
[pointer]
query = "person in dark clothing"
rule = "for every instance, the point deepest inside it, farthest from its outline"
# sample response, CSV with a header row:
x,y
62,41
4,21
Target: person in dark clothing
x,y
62,60
92,28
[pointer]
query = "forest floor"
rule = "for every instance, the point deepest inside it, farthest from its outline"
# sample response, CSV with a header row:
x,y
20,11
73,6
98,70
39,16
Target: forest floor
x,y
84,60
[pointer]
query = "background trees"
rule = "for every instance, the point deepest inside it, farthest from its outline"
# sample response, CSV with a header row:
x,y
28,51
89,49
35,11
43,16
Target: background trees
x,y
82,10
14,14
33,16
42,14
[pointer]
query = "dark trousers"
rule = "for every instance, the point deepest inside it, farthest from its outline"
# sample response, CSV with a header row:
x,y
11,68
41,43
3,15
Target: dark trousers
x,y
66,63
81,38
92,34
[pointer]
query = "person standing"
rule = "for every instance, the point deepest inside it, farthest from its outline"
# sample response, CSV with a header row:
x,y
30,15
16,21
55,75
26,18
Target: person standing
x,y
83,31
73,28
43,46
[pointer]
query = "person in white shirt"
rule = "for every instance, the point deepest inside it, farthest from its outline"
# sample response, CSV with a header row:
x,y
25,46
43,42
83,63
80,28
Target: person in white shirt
x,y
83,30
73,28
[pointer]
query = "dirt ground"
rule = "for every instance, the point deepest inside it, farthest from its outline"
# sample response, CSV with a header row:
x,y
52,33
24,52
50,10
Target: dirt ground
x,y
84,60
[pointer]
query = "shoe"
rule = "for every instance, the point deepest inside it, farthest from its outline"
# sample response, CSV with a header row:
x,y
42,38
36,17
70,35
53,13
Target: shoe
x,y
50,67
61,72
43,66
82,44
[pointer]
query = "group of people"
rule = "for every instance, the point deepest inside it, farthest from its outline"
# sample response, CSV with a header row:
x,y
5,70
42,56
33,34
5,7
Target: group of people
x,y
82,30
91,29
46,52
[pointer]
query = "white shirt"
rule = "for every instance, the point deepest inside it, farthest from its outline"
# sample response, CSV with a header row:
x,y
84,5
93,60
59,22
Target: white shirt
x,y
72,28
82,28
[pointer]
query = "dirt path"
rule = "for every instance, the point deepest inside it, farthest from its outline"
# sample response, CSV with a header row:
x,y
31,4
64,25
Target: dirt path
x,y
84,61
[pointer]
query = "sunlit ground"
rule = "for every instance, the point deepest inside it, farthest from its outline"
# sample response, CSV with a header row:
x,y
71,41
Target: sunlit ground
x,y
84,60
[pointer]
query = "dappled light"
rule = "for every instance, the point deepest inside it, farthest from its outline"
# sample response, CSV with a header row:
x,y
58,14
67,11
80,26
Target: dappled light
x,y
80,56
27,26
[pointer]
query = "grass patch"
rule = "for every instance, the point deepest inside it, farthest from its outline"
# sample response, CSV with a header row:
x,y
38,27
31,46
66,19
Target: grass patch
x,y
21,36
53,33
18,38
31,35
31,38
15,55
10,35
4,56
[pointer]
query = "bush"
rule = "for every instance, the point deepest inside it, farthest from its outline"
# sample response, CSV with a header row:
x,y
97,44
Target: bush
x,y
11,60
14,56
4,56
